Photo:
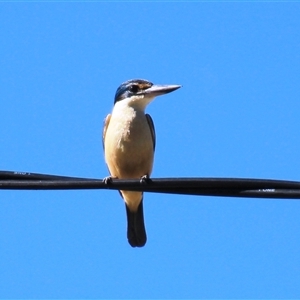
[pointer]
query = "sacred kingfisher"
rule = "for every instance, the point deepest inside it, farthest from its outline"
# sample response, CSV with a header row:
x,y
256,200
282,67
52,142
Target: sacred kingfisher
x,y
129,144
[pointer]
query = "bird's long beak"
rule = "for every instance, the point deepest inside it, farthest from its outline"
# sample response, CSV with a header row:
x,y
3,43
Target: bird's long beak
x,y
157,90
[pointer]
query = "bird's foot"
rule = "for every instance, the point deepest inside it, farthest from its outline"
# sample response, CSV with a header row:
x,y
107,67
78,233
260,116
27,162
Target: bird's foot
x,y
108,179
145,179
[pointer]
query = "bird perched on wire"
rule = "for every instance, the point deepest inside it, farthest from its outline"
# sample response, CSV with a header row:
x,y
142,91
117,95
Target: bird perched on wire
x,y
129,144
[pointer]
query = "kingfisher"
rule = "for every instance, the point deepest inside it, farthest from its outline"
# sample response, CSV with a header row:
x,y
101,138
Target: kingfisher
x,y
129,145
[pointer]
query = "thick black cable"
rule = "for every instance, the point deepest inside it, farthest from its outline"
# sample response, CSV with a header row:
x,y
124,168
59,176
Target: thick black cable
x,y
226,187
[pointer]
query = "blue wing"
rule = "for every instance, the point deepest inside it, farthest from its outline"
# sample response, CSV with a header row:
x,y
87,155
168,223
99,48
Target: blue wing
x,y
152,129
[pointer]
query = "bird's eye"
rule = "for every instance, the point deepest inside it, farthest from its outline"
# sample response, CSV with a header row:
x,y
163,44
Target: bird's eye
x,y
134,88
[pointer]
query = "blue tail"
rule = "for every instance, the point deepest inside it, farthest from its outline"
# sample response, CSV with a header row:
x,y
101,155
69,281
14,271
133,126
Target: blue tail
x,y
136,232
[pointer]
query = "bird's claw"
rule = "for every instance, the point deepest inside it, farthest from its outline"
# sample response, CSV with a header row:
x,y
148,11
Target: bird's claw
x,y
107,180
145,179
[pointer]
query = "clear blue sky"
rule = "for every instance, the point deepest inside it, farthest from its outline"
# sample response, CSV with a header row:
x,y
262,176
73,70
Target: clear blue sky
x,y
237,115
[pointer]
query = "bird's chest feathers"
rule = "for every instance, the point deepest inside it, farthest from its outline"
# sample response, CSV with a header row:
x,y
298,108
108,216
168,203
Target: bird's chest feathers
x,y
131,129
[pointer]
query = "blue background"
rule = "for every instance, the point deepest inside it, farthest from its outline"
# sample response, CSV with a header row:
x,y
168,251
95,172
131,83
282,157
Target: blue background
x,y
237,115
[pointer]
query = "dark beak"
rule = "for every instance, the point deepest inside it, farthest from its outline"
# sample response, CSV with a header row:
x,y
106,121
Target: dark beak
x,y
157,90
